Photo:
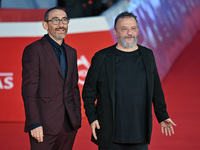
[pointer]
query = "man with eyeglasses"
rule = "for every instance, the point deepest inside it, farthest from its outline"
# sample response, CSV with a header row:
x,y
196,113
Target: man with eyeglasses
x,y
50,87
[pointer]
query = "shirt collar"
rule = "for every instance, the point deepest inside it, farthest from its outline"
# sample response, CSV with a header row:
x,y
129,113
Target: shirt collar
x,y
54,43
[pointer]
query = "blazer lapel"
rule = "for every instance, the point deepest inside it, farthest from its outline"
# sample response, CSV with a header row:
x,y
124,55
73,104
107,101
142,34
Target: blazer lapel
x,y
147,64
51,54
110,68
69,61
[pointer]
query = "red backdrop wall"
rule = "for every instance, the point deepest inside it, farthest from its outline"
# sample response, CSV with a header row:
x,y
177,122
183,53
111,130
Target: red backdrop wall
x,y
11,103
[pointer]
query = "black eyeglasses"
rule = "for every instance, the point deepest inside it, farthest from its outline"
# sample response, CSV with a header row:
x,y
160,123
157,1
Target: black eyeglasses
x,y
56,21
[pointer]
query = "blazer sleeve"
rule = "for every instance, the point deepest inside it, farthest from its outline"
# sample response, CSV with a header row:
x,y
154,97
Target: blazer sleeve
x,y
30,79
159,104
89,93
76,92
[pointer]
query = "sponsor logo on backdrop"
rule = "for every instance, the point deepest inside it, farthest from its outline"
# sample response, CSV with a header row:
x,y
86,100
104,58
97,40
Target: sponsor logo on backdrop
x,y
83,66
6,80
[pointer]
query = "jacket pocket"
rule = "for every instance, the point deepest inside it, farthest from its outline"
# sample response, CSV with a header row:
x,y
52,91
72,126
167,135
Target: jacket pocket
x,y
44,99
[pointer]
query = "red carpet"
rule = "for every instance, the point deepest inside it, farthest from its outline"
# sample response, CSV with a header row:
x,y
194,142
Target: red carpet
x,y
182,92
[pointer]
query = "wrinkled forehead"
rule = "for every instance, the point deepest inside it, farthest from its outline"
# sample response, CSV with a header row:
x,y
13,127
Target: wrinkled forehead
x,y
57,13
126,21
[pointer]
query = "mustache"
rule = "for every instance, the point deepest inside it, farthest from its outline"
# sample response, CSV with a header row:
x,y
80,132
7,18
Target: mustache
x,y
61,28
130,36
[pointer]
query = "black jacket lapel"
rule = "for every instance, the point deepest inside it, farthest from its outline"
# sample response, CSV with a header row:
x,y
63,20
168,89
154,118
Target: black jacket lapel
x,y
110,68
148,68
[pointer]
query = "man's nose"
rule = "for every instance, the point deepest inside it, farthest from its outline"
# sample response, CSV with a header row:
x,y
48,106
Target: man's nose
x,y
129,32
60,23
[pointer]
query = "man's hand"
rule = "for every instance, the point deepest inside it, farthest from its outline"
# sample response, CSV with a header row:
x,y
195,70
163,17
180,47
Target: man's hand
x,y
37,133
93,126
167,127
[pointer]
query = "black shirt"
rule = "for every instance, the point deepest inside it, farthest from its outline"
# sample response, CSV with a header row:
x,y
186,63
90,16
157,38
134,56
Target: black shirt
x,y
130,90
57,48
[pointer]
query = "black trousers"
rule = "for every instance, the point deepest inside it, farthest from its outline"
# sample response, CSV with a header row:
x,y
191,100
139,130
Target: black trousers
x,y
117,146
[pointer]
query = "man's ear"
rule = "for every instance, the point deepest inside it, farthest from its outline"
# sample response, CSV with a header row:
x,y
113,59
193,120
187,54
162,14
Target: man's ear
x,y
45,25
115,32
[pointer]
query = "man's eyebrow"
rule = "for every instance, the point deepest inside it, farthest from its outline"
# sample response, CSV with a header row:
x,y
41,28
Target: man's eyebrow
x,y
58,17
126,26
54,17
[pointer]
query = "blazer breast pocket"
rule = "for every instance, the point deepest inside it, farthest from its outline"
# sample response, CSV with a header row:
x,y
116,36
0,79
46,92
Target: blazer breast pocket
x,y
44,99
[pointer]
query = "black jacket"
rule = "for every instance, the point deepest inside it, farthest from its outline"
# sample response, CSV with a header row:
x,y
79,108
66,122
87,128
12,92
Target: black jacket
x,y
100,85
